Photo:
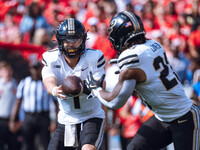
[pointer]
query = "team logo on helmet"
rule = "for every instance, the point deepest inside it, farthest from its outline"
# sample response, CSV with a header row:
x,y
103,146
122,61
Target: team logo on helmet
x,y
112,24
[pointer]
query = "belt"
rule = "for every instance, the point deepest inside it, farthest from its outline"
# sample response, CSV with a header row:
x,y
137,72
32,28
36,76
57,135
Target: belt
x,y
4,120
37,113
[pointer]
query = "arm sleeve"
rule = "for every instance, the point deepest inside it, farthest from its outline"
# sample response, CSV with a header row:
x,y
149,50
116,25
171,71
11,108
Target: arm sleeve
x,y
47,72
121,99
98,71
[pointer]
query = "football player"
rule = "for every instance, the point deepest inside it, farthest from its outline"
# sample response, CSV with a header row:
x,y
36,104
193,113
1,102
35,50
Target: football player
x,y
80,120
144,68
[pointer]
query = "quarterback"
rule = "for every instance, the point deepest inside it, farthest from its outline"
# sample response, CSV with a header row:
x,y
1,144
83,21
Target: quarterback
x,y
80,120
144,68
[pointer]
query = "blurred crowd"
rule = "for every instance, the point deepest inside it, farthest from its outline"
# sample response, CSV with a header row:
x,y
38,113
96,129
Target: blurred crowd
x,y
174,23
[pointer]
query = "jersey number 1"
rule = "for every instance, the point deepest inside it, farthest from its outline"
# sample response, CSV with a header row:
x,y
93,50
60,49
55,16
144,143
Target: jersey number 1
x,y
76,102
168,84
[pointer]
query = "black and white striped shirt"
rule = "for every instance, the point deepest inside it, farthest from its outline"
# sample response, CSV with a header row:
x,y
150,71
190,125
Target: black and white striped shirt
x,y
34,95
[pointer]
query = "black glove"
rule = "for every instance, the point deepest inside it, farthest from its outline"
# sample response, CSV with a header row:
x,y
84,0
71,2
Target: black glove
x,y
91,83
85,89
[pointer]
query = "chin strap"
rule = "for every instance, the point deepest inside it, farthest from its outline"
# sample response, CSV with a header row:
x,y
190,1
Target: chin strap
x,y
120,46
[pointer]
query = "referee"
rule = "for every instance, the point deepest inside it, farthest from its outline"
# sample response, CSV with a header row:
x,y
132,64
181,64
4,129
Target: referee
x,y
35,101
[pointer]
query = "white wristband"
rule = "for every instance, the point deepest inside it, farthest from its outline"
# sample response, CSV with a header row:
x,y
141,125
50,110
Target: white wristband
x,y
96,91
54,91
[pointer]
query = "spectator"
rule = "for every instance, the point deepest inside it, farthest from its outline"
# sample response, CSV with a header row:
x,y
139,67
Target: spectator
x,y
196,84
10,32
8,88
178,47
42,38
35,101
32,21
178,39
194,43
171,15
120,5
55,12
148,10
185,26
110,9
92,32
196,88
94,9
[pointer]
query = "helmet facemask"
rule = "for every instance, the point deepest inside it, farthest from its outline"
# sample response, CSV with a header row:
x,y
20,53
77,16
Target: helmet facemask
x,y
72,51
116,45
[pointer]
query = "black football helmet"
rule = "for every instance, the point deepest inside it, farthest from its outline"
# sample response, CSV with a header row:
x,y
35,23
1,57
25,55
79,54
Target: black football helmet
x,y
123,27
71,29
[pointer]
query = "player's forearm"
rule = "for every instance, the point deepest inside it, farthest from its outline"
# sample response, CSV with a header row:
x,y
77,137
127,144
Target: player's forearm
x,y
50,83
109,96
15,110
118,97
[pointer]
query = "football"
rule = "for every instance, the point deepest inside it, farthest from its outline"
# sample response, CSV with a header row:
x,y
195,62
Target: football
x,y
72,85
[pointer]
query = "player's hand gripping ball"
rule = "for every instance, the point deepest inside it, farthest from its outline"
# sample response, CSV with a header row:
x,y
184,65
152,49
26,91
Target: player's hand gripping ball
x,y
72,85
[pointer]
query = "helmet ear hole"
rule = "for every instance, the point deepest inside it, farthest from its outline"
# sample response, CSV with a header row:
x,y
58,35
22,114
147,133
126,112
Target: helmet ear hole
x,y
71,29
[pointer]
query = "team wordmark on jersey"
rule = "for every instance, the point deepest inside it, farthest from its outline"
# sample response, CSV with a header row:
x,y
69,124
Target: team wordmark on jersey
x,y
155,47
56,66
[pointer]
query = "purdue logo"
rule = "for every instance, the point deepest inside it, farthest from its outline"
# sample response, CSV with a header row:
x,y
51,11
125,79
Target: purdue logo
x,y
112,24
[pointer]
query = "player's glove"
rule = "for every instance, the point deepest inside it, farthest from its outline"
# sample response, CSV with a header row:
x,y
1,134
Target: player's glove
x,y
92,84
85,89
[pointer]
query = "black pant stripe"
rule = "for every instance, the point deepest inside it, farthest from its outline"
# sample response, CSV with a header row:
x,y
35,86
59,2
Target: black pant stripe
x,y
100,136
196,135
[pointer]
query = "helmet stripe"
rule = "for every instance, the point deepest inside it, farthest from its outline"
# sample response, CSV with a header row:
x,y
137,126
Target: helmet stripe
x,y
133,19
71,26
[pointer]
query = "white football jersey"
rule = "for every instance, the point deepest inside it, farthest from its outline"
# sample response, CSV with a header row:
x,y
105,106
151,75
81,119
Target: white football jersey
x,y
162,90
75,109
7,97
